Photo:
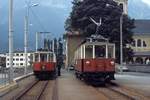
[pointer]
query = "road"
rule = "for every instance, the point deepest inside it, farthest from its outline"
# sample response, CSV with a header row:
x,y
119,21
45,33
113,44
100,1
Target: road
x,y
138,81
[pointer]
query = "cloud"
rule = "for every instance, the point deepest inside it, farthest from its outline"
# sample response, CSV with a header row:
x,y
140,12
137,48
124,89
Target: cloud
x,y
147,2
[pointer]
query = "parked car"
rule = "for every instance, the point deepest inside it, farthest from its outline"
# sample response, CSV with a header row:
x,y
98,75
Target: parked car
x,y
123,67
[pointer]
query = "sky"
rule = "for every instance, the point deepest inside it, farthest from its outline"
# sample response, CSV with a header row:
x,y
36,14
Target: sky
x,y
49,16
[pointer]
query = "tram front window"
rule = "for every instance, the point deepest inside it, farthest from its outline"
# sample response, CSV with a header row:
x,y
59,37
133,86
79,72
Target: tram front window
x,y
50,57
43,57
110,52
36,57
88,51
100,51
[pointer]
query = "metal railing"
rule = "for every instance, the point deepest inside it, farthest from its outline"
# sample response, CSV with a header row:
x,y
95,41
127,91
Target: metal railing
x,y
17,72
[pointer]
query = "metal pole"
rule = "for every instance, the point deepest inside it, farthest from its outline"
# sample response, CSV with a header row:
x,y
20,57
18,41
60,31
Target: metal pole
x,y
25,43
11,40
121,44
37,36
25,38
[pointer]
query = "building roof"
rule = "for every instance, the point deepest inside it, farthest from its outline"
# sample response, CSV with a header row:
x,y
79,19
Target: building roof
x,y
142,27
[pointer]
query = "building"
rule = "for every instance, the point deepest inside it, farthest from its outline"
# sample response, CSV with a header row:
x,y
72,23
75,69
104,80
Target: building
x,y
75,38
141,44
2,60
19,60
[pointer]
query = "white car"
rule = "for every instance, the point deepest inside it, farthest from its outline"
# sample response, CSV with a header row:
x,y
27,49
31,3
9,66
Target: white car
x,y
123,68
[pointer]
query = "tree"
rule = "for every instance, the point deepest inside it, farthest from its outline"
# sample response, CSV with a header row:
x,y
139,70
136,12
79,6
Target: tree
x,y
60,52
110,12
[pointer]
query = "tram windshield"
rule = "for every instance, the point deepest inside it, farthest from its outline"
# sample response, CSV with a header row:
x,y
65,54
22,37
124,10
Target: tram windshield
x,y
44,57
99,51
88,51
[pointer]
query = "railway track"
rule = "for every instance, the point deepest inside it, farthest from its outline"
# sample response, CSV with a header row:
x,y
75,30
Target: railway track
x,y
38,90
115,92
33,92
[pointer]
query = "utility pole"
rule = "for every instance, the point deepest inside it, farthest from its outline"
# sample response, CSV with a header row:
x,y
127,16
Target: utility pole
x,y
37,39
11,40
121,44
26,31
25,43
26,26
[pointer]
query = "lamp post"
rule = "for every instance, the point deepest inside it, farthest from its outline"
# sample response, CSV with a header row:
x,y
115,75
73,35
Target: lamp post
x,y
26,30
11,40
121,38
121,43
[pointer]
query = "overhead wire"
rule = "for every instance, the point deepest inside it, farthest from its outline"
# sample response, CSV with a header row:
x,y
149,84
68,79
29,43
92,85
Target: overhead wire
x,y
38,20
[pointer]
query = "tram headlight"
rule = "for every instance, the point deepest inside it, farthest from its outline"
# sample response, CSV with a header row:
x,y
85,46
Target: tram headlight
x,y
87,62
112,62
43,67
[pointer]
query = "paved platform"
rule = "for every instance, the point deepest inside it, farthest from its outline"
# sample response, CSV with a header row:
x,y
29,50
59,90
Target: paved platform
x,y
140,82
70,88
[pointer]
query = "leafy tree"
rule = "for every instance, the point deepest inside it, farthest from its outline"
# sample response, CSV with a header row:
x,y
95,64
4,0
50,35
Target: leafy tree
x,y
110,12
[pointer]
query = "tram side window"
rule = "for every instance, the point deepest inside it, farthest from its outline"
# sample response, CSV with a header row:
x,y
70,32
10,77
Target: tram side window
x,y
43,57
100,51
88,51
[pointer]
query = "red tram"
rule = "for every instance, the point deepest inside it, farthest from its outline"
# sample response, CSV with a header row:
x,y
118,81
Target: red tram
x,y
44,64
95,61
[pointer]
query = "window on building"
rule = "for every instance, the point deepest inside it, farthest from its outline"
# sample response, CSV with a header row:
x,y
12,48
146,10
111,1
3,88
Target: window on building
x,y
7,63
17,59
21,63
17,54
133,43
8,59
139,44
22,54
121,5
13,59
13,64
144,44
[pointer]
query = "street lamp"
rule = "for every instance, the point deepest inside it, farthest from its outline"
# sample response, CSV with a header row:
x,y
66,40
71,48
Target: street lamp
x,y
121,39
26,28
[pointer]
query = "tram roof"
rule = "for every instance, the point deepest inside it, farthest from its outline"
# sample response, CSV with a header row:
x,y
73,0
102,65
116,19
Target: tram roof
x,y
44,52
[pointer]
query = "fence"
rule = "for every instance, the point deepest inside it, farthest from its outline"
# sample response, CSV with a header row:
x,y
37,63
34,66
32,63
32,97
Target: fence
x,y
17,72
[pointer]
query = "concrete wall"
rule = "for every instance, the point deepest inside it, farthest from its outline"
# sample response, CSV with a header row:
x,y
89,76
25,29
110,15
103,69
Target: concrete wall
x,y
72,42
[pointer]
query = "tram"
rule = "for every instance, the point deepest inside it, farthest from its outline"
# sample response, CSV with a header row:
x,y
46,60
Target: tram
x,y
44,64
94,60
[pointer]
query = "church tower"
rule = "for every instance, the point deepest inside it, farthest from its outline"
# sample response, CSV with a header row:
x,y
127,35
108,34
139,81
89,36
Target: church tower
x,y
124,4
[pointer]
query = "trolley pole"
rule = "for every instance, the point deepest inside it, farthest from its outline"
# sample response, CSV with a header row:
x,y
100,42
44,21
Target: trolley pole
x,y
121,43
10,40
